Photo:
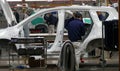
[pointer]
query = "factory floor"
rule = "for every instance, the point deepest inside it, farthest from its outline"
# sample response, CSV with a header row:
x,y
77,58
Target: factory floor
x,y
114,65
53,67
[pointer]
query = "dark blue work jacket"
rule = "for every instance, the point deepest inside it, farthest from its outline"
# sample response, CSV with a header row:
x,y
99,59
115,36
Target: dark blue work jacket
x,y
75,30
51,20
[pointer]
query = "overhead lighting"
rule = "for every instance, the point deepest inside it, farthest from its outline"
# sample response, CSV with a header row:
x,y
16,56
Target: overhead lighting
x,y
49,0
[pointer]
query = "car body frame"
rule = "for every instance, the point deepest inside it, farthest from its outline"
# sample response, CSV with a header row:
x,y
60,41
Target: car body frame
x,y
89,42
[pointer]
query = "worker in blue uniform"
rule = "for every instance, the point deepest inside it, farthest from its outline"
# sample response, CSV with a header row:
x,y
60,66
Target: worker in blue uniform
x,y
51,21
100,16
75,27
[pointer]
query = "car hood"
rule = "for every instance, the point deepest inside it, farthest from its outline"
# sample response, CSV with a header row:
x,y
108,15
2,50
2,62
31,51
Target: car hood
x,y
8,33
2,34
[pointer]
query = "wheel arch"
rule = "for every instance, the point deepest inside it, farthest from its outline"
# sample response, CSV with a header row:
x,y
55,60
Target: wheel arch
x,y
96,43
42,27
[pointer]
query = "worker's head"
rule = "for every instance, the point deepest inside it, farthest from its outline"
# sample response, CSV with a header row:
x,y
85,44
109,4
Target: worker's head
x,y
48,14
99,13
29,11
77,15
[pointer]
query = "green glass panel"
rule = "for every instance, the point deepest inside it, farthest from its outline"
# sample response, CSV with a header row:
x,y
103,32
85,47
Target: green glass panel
x,y
37,21
87,20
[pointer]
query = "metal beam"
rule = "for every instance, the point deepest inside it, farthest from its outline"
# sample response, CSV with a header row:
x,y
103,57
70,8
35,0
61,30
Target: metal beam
x,y
119,30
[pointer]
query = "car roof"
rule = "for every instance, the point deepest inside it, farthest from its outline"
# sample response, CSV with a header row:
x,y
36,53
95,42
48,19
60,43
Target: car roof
x,y
85,7
73,7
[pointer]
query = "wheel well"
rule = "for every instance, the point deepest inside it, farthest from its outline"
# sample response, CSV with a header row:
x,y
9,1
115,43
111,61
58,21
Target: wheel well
x,y
42,27
94,44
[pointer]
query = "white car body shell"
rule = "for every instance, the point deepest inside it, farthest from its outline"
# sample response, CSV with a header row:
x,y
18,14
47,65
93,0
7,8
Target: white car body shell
x,y
17,30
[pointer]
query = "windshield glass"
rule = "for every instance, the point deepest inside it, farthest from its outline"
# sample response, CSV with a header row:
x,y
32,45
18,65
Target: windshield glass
x,y
3,21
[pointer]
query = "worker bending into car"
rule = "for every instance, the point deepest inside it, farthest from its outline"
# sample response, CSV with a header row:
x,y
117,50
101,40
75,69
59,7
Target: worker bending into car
x,y
51,21
75,27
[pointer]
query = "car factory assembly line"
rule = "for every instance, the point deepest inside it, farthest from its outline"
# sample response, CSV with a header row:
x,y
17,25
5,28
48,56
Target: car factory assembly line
x,y
58,49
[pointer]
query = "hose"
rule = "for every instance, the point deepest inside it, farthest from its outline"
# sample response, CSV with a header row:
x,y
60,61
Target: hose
x,y
67,57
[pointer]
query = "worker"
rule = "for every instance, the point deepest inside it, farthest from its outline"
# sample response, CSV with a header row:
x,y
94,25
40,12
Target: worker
x,y
16,15
100,16
51,21
75,27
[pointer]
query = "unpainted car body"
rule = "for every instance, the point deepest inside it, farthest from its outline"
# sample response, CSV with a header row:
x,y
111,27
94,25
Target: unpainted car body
x,y
90,41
